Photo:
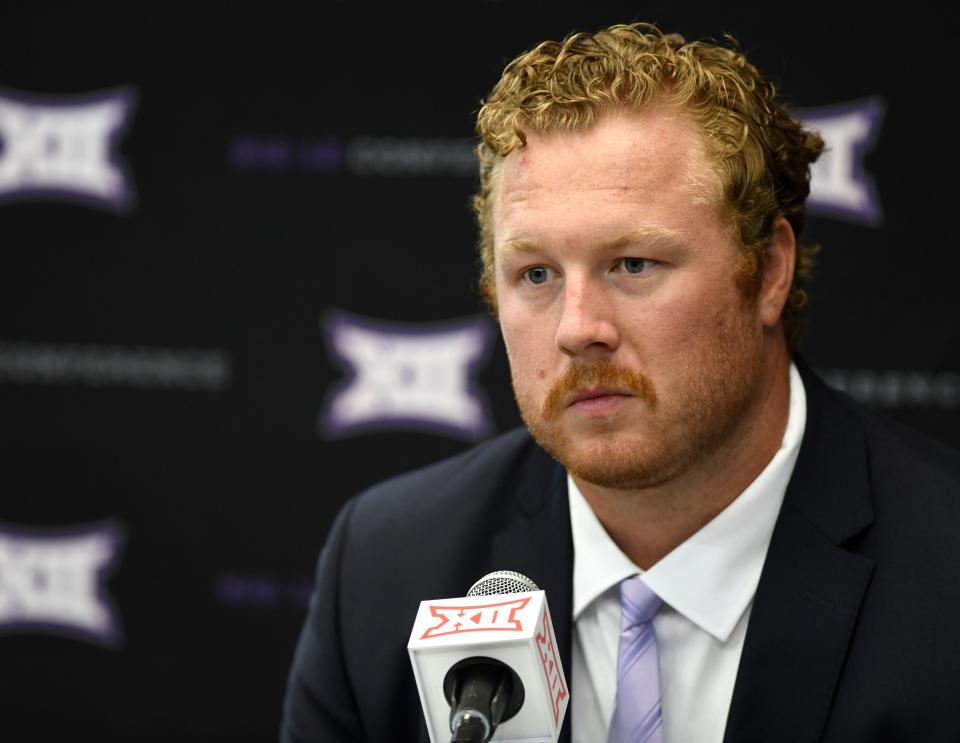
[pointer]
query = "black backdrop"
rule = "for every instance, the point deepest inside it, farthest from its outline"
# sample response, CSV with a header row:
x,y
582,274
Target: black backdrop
x,y
289,197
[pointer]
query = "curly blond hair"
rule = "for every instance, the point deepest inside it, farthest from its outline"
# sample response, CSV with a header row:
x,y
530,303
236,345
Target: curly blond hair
x,y
761,155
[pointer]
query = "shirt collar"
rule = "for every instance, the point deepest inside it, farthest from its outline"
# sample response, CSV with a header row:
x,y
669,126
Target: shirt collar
x,y
712,576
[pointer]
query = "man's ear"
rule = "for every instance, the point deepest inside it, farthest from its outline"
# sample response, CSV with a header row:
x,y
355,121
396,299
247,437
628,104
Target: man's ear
x,y
777,277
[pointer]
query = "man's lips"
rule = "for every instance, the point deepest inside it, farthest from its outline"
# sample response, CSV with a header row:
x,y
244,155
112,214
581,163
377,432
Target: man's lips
x,y
596,395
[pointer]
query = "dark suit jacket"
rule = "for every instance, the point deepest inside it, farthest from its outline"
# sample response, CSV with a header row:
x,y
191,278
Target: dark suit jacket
x,y
854,634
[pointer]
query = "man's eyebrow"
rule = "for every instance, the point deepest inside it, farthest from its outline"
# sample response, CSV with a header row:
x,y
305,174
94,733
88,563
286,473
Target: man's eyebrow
x,y
650,236
521,245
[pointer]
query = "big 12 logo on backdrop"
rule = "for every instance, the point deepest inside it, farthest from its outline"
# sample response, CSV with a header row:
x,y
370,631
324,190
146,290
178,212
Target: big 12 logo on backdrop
x,y
406,376
840,185
53,581
64,148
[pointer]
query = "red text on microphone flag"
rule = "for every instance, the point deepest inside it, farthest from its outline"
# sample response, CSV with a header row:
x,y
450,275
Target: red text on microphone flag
x,y
499,617
551,666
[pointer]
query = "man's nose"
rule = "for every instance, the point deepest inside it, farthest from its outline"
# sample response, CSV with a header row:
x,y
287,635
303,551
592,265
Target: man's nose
x,y
587,324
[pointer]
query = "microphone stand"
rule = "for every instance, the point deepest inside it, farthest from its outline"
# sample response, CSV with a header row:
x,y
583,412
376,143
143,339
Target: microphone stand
x,y
478,701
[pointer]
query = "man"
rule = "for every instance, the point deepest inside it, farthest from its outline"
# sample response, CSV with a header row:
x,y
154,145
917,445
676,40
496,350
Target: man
x,y
640,203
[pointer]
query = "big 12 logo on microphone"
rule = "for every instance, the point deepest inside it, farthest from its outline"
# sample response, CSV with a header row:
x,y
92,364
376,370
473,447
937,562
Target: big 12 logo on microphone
x,y
498,617
552,670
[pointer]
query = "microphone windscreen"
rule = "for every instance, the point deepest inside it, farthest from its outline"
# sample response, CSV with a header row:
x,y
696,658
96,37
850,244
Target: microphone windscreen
x,y
500,582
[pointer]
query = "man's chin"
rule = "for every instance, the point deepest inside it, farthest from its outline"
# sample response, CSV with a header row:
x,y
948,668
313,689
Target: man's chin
x,y
608,462
631,475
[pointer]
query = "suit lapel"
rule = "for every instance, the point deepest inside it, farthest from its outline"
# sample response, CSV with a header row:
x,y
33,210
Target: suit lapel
x,y
537,542
811,588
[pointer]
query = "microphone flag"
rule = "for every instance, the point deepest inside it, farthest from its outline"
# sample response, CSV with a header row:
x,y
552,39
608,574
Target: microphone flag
x,y
514,629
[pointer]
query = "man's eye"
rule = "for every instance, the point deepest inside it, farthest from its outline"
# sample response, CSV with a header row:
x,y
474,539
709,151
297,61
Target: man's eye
x,y
635,265
537,274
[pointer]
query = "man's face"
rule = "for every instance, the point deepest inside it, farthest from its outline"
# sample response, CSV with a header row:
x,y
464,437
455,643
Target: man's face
x,y
634,354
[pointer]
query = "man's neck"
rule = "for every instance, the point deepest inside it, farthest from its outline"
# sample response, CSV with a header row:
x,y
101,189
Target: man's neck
x,y
649,523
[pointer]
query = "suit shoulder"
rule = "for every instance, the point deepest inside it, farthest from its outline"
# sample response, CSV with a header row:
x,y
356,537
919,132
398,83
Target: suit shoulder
x,y
914,479
493,454
891,444
456,485
427,531
896,449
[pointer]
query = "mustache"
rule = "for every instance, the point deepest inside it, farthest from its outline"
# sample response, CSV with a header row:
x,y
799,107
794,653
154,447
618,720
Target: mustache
x,y
602,373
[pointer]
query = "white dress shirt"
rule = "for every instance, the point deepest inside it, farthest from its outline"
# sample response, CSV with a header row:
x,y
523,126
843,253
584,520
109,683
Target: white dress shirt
x,y
707,586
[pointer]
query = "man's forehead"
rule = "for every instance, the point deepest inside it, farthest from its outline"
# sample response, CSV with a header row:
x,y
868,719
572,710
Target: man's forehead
x,y
625,151
639,179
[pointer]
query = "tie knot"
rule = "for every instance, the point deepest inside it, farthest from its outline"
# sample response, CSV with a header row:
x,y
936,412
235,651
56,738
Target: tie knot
x,y
637,602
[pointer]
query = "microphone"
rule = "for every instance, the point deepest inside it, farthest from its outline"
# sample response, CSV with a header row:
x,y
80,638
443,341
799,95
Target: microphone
x,y
487,660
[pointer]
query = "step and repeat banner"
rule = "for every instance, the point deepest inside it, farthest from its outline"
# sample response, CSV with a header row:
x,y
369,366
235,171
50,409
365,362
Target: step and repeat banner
x,y
238,286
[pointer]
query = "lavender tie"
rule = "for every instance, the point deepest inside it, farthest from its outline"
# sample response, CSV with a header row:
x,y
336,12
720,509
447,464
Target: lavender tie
x,y
636,714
